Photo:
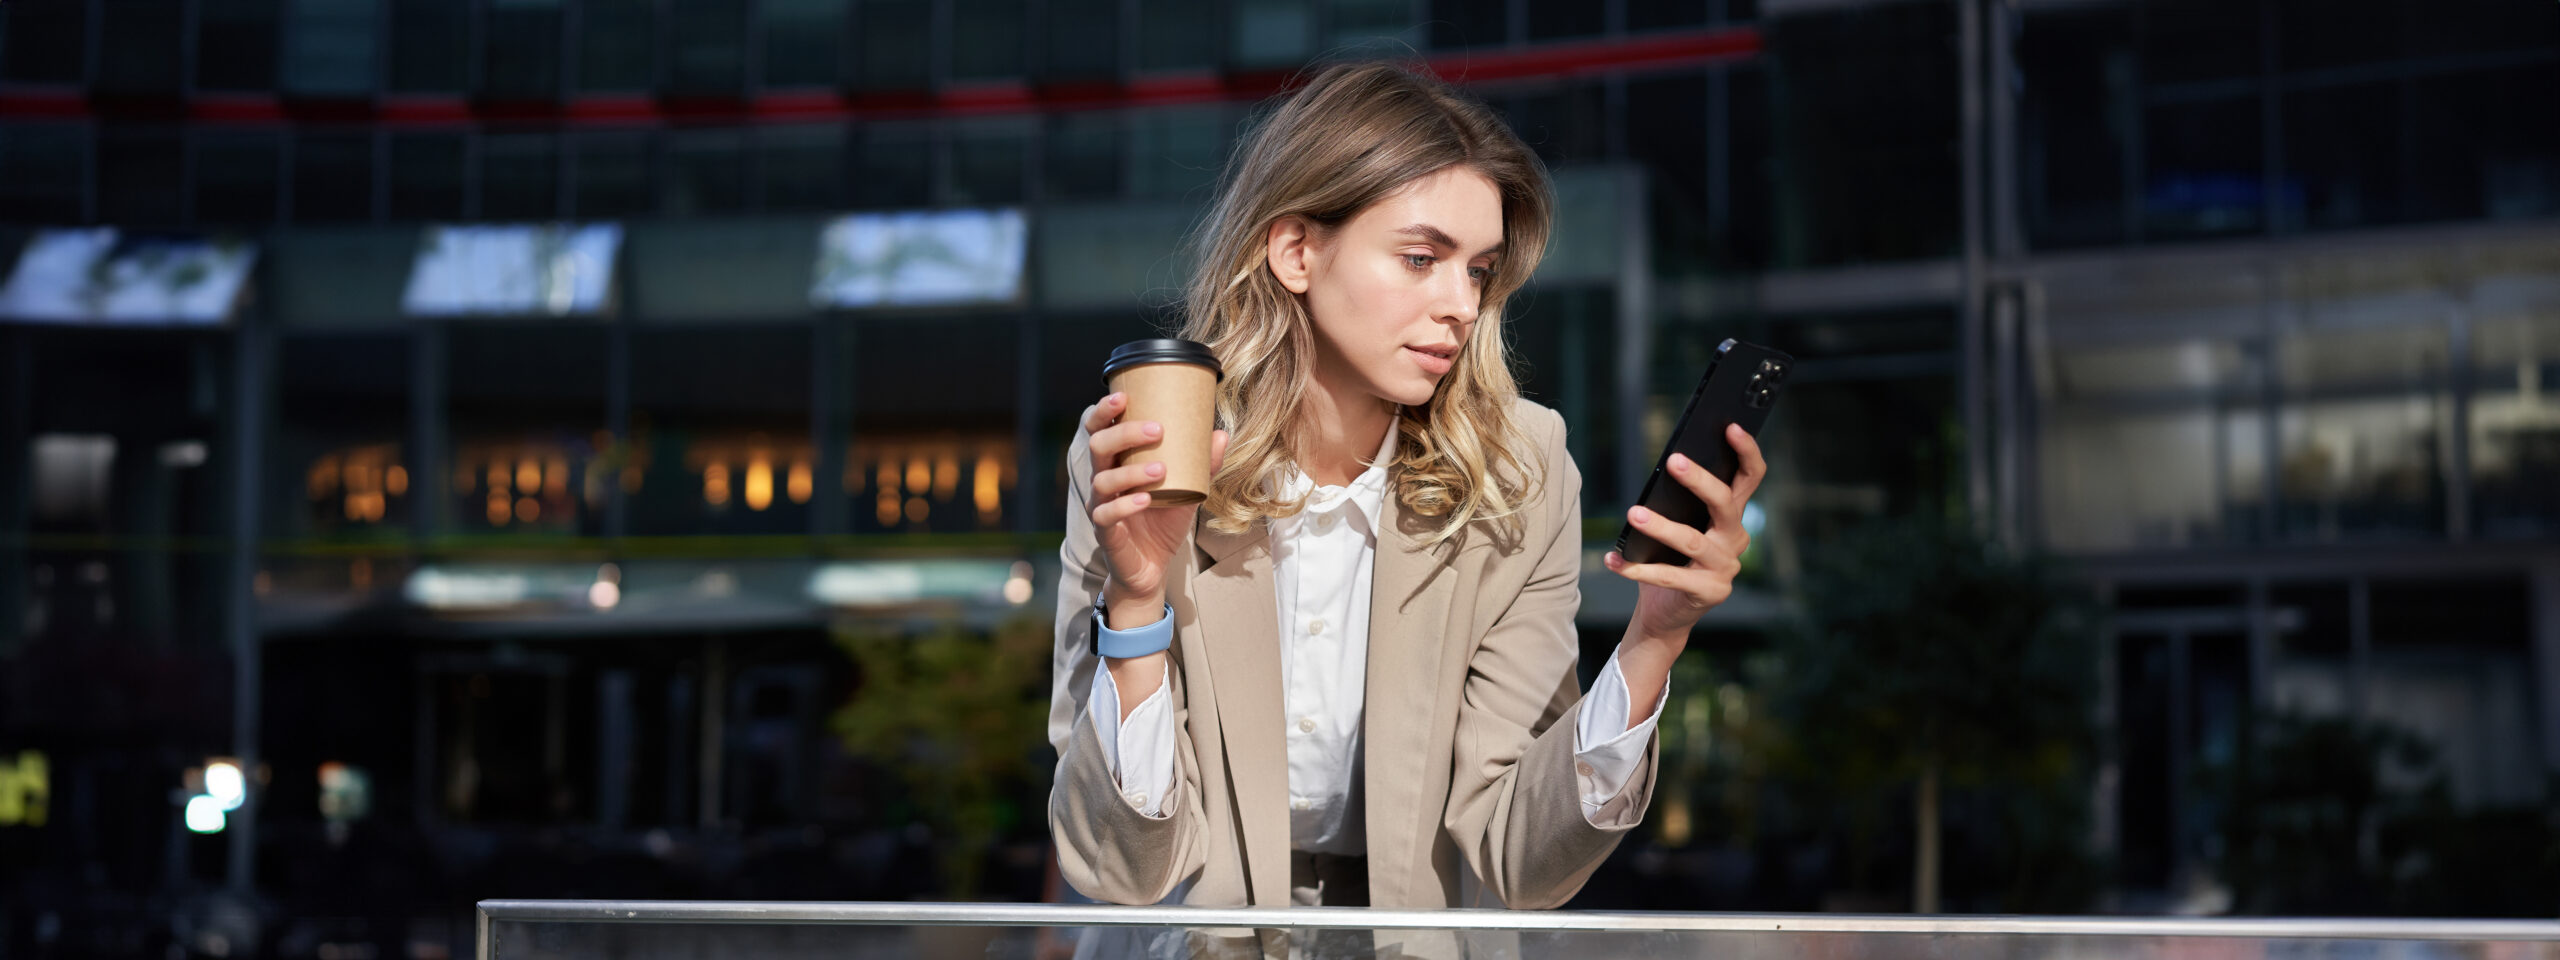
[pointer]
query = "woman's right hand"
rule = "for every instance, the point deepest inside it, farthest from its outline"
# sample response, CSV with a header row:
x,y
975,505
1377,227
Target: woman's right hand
x,y
1137,542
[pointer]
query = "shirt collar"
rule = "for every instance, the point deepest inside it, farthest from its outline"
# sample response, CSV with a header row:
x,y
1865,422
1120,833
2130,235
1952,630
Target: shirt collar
x,y
1371,480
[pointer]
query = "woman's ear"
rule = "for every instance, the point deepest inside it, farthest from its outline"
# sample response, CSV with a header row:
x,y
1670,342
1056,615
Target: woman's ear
x,y
1287,248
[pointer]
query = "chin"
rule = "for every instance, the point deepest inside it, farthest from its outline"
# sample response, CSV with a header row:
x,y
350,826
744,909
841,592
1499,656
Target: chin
x,y
1415,394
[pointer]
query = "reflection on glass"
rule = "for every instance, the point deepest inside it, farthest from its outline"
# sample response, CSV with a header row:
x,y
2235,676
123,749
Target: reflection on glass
x,y
104,276
556,270
2152,445
531,485
920,258
2515,424
354,486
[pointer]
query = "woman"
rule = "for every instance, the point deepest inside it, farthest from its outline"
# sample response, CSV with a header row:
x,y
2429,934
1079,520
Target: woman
x,y
1365,691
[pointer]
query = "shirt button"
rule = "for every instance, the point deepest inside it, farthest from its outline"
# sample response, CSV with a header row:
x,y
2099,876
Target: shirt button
x,y
1582,768
1138,797
1324,521
1315,628
1306,724
1300,803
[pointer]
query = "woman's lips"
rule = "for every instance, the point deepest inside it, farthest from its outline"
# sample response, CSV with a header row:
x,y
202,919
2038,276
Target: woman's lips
x,y
1431,364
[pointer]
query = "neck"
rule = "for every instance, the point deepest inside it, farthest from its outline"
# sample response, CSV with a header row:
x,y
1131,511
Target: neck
x,y
1344,427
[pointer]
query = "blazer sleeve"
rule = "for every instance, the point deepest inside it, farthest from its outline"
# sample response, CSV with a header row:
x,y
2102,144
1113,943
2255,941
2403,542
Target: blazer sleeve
x,y
1106,848
1515,810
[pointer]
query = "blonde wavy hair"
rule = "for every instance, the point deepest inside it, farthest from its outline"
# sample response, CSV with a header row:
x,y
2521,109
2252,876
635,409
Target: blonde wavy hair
x,y
1353,135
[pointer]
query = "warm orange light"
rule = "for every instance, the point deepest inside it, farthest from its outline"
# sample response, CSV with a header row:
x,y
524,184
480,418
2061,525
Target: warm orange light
x,y
946,475
631,479
799,483
919,476
556,473
396,480
528,475
528,509
888,478
497,479
918,509
715,484
759,493
323,479
887,510
360,573
500,509
984,485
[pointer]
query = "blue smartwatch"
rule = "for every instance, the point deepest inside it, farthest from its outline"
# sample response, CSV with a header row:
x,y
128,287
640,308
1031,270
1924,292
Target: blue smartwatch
x,y
1122,644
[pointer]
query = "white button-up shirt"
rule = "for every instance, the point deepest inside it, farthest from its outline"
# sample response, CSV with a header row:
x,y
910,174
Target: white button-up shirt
x,y
1322,561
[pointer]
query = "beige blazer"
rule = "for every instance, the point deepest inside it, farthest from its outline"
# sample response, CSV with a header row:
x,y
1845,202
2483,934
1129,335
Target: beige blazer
x,y
1469,730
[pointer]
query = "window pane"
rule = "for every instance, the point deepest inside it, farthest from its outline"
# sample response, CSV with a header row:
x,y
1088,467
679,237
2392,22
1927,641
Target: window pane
x,y
1458,24
2515,418
332,178
612,174
987,163
709,40
1666,14
2152,444
1863,115
140,52
1272,33
706,173
720,429
330,48
1672,145
2338,33
1084,38
2192,40
897,44
1175,152
1084,156
801,168
141,176
1565,126
521,59
925,458
894,167
987,39
1558,21
804,42
615,40
2202,172
41,167
2488,150
2363,422
426,176
428,45
236,178
520,177
2342,145
45,42
236,44
528,419
336,461
2077,72
1177,35
1385,26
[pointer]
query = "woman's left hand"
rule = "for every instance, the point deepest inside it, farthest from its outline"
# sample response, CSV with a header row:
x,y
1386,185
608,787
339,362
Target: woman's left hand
x,y
1670,599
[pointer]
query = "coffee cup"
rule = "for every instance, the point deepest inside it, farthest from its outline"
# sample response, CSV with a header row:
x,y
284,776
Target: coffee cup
x,y
1174,383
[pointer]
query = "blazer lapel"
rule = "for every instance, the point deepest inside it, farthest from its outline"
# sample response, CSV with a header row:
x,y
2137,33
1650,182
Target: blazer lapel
x,y
1409,598
1238,610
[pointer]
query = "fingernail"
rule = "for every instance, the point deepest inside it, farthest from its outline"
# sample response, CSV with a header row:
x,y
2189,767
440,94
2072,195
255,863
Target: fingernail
x,y
1679,463
1155,469
1640,515
1154,429
1138,498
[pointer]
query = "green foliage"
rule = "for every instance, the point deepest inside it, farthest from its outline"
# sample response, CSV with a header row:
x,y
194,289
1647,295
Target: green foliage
x,y
959,717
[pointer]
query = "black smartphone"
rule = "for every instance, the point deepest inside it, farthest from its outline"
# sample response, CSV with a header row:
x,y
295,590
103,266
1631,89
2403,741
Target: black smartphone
x,y
1740,386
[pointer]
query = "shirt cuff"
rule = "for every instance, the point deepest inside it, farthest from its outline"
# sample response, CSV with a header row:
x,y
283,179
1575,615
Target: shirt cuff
x,y
1606,750
1144,744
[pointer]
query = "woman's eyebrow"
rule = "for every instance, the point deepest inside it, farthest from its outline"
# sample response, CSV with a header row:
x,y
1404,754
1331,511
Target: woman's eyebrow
x,y
1438,237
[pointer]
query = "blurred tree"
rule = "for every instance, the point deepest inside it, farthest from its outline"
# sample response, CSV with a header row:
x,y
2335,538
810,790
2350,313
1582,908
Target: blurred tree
x,y
1928,658
961,717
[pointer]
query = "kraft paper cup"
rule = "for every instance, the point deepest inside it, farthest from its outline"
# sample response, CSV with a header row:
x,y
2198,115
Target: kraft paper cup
x,y
1174,383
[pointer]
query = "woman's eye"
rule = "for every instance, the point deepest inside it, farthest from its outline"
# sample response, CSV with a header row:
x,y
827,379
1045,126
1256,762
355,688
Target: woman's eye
x,y
1481,274
1418,261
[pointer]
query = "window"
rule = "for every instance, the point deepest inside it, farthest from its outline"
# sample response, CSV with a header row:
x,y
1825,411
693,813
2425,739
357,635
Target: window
x,y
1175,152
611,171
332,177
800,168
426,172
329,48
336,465
1177,35
2364,419
141,176
616,44
521,49
2153,444
1561,21
1862,118
45,43
706,173
804,42
1083,38
987,40
1272,33
987,162
1458,24
924,458
235,179
2076,66
430,50
527,427
1667,14
2202,170
235,44
893,167
1084,156
708,55
720,431
1380,26
2515,410
897,44
520,176
140,50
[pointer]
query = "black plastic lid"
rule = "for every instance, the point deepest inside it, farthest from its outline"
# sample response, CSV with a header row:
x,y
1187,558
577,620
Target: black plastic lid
x,y
1140,352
